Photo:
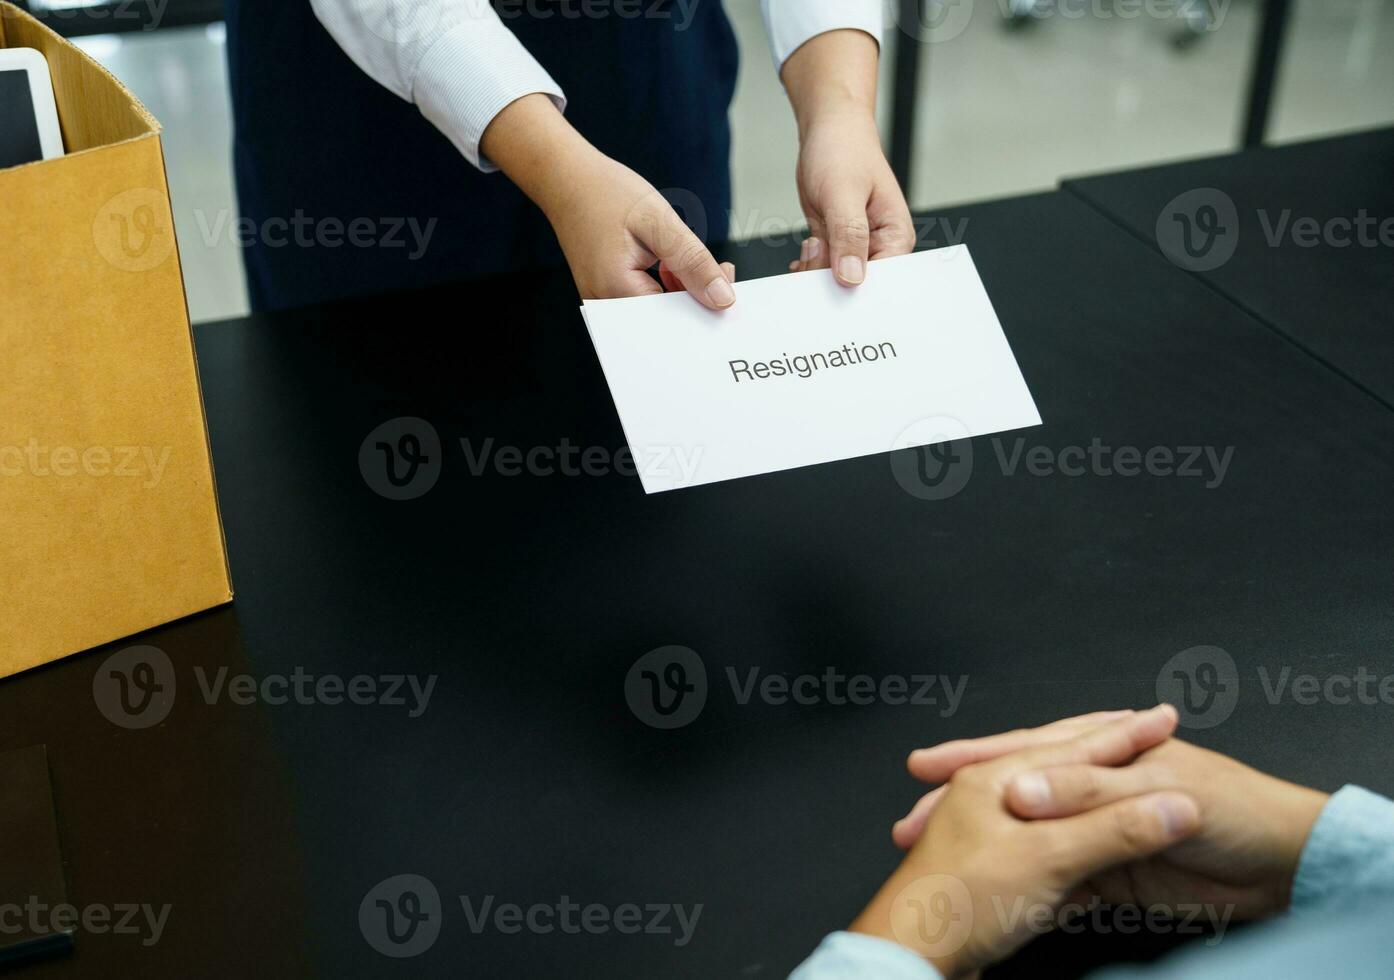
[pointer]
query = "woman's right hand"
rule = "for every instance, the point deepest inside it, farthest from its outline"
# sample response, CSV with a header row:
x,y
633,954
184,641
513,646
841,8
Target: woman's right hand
x,y
612,224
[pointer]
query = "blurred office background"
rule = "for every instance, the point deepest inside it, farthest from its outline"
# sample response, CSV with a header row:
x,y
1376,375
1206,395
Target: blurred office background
x,y
1010,96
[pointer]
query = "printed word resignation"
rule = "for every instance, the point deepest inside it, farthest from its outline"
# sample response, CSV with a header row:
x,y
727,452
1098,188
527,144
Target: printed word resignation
x,y
806,365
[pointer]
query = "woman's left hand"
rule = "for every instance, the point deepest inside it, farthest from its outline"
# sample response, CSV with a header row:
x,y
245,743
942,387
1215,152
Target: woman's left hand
x,y
851,198
855,210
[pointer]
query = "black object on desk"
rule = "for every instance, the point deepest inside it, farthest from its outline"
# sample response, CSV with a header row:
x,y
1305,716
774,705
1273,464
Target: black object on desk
x,y
32,889
1301,236
19,130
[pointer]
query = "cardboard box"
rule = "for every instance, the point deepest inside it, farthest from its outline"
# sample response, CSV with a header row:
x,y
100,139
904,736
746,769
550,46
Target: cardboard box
x,y
109,521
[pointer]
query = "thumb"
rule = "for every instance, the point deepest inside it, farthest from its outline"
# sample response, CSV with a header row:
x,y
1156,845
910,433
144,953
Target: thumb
x,y
849,239
682,255
1124,831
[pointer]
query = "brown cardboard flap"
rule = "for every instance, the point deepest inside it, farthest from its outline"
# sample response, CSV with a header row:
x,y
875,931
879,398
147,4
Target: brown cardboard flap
x,y
94,109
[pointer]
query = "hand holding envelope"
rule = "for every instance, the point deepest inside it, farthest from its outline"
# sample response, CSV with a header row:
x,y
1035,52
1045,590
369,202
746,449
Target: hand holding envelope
x,y
804,371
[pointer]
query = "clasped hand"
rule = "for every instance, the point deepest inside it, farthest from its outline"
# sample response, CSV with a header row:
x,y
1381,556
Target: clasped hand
x,y
1108,806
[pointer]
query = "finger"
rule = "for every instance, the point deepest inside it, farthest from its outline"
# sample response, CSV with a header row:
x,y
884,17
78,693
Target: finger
x,y
811,253
1066,791
634,283
688,259
908,828
1112,744
849,239
671,283
937,763
728,269
797,264
1128,830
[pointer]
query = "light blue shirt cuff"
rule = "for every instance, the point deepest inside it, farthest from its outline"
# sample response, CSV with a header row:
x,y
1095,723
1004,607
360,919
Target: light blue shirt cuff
x,y
853,956
1349,855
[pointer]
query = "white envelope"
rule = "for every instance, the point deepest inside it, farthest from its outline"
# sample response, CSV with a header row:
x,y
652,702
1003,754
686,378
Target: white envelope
x,y
802,370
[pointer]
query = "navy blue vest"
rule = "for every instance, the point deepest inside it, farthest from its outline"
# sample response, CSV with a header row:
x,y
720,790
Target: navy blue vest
x,y
319,144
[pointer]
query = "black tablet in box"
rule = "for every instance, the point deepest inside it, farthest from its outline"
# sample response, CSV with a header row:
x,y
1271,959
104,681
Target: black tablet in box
x,y
28,115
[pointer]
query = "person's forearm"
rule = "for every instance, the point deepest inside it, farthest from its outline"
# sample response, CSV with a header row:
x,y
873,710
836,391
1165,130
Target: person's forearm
x,y
877,918
833,75
531,142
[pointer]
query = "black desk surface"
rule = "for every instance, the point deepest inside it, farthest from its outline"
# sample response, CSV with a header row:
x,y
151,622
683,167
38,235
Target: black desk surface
x,y
1305,240
528,778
